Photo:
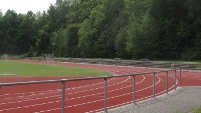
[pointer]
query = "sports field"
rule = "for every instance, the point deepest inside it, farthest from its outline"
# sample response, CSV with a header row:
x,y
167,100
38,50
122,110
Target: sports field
x,y
46,70
87,95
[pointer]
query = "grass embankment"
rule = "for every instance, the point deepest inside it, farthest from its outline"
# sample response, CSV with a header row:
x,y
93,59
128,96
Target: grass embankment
x,y
29,69
199,65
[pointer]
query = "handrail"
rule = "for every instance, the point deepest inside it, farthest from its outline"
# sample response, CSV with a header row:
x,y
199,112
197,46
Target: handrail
x,y
31,82
78,79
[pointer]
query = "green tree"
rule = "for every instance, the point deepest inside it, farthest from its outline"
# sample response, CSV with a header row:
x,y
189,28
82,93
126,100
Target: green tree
x,y
190,30
86,41
135,40
103,24
59,41
1,33
72,42
154,29
115,19
120,44
88,32
43,35
26,38
167,16
1,14
10,25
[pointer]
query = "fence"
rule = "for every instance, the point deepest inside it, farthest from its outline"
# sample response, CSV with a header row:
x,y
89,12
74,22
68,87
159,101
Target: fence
x,y
64,81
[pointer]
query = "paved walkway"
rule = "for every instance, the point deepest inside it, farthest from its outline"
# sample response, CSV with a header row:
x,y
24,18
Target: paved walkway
x,y
183,100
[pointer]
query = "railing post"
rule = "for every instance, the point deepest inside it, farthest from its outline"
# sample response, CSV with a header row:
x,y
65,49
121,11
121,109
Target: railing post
x,y
180,76
167,82
175,78
154,82
63,95
105,95
134,89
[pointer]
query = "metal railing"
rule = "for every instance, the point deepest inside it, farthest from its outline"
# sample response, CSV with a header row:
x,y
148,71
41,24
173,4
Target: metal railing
x,y
105,78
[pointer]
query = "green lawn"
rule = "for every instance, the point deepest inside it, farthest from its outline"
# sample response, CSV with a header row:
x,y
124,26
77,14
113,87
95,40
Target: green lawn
x,y
29,69
197,110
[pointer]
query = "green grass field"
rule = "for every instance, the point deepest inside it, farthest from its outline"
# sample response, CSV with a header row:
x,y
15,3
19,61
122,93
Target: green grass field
x,y
29,69
197,110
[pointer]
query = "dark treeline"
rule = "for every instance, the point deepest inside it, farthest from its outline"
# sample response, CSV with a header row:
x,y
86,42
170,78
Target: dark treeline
x,y
130,29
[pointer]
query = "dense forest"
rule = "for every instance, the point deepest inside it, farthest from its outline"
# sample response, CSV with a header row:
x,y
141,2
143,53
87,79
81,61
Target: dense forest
x,y
129,29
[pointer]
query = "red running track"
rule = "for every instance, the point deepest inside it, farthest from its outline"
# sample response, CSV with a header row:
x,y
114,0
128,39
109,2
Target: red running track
x,y
86,96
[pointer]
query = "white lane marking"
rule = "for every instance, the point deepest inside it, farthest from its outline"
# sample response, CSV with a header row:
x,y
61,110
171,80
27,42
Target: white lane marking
x,y
60,95
118,83
96,100
111,98
48,91
100,87
126,103
75,105
55,101
82,103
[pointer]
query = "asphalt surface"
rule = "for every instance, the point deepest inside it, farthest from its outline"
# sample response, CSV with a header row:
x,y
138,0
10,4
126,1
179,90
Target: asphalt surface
x,y
181,100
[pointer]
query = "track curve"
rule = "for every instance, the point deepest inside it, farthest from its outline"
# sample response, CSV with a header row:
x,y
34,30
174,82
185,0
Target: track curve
x,y
85,96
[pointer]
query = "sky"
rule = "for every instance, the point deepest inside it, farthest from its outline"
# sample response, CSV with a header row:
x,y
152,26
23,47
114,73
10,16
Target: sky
x,y
23,6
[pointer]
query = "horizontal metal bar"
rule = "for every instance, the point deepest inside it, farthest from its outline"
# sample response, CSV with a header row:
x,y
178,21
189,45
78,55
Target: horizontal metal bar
x,y
165,70
89,78
185,67
31,82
